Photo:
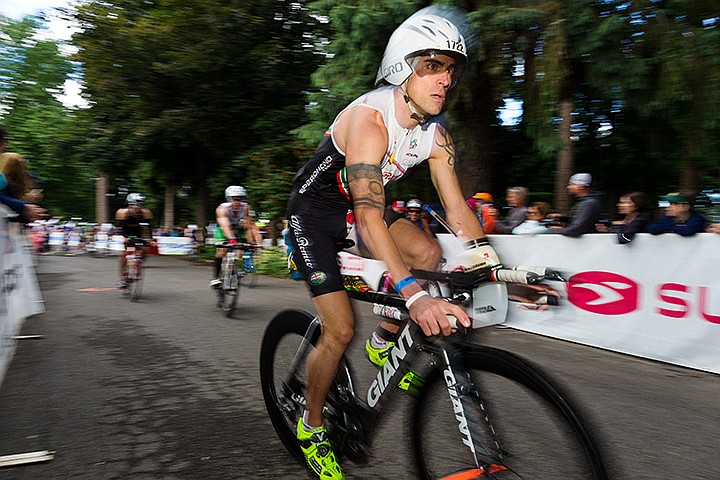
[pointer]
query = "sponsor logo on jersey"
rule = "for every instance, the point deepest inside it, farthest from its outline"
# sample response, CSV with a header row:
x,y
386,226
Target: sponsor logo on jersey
x,y
317,278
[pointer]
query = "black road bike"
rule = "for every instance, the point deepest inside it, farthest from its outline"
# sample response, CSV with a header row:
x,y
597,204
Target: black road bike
x,y
134,264
479,413
233,277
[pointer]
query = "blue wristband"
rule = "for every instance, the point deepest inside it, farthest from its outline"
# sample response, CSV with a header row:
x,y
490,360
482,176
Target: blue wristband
x,y
404,283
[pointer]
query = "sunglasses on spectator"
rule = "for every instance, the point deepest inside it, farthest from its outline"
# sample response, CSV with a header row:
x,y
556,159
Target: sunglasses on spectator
x,y
414,211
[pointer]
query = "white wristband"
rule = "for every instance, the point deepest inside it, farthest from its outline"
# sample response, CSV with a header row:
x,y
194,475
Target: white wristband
x,y
414,298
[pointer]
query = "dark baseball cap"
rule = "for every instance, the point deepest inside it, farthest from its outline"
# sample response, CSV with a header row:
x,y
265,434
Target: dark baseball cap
x,y
674,197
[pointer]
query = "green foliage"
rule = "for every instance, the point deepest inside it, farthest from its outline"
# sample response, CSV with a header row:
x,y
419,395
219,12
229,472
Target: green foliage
x,y
32,72
200,94
273,261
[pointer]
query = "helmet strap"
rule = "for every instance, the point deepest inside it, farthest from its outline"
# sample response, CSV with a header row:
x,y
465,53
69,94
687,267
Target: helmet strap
x,y
421,119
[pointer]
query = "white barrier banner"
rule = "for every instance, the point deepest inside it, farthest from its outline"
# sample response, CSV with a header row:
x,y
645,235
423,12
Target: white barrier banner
x,y
20,295
657,297
174,245
8,329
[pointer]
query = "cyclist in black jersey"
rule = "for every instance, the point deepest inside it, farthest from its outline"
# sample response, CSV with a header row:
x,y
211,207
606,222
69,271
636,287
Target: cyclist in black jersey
x,y
234,221
339,198
135,228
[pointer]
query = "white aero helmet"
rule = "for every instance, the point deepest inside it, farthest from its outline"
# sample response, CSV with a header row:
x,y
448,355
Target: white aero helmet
x,y
425,31
135,199
234,191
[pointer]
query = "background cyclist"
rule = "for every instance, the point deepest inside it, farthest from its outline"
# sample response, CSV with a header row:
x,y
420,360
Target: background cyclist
x,y
234,221
134,224
377,139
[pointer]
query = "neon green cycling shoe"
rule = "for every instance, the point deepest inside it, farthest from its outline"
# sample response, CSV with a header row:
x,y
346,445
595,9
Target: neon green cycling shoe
x,y
318,452
378,356
411,382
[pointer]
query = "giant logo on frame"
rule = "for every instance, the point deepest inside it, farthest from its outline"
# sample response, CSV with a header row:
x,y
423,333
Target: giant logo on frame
x,y
605,293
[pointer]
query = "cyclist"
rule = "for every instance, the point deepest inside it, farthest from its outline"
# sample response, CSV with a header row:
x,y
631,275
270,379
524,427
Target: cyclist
x,y
134,228
338,198
234,220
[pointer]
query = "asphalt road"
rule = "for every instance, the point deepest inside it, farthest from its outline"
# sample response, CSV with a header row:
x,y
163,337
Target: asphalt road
x,y
168,388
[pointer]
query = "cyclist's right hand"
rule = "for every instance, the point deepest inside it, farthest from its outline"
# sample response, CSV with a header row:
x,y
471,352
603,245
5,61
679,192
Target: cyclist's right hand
x,y
431,314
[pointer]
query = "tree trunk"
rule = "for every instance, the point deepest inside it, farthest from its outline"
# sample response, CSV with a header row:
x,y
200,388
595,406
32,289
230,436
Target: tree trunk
x,y
475,167
169,211
565,159
101,202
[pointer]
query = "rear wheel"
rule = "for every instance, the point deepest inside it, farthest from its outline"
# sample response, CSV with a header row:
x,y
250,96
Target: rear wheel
x,y
283,391
283,356
529,426
250,276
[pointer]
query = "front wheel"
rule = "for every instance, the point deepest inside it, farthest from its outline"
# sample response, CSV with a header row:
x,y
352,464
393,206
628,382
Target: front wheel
x,y
530,428
250,276
135,280
229,290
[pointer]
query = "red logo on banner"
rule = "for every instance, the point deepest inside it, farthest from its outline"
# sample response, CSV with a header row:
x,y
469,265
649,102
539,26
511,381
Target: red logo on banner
x,y
605,293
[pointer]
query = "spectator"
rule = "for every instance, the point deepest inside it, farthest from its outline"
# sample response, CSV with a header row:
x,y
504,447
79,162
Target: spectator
x,y
517,198
586,211
15,183
398,206
679,217
486,211
632,207
14,167
534,223
414,214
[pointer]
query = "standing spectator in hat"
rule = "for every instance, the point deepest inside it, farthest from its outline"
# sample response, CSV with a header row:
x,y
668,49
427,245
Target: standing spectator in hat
x,y
517,199
679,217
415,215
486,211
585,212
398,206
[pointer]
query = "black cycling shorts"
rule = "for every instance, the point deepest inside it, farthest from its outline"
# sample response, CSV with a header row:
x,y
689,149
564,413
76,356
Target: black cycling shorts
x,y
136,242
317,234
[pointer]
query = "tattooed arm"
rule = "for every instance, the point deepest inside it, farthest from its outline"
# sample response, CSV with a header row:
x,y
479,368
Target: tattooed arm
x,y
442,170
363,138
362,135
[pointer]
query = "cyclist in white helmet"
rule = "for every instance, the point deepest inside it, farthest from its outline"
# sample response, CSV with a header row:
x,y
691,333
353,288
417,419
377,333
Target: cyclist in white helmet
x,y
234,220
375,140
135,228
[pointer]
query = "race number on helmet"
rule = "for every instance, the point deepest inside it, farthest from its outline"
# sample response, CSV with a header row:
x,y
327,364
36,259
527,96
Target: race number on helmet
x,y
423,33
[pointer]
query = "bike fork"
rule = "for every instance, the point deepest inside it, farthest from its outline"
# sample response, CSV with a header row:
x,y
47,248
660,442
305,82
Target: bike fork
x,y
472,421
